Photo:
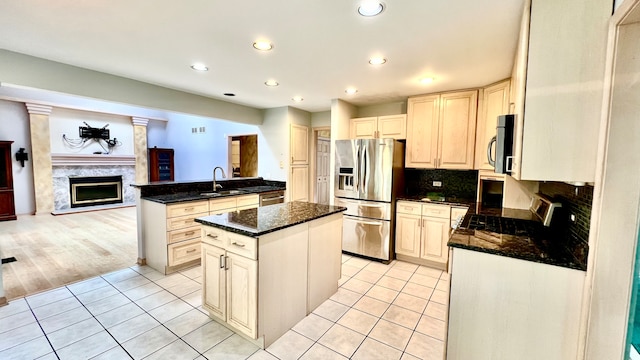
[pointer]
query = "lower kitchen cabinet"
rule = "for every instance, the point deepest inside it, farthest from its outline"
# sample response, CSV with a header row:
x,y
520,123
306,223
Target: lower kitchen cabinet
x,y
422,233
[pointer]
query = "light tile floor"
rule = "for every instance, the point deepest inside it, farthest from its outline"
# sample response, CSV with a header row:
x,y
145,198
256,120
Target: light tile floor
x,y
395,311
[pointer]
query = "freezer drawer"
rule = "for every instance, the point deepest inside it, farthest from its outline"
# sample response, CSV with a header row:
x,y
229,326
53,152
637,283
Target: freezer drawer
x,y
366,237
368,209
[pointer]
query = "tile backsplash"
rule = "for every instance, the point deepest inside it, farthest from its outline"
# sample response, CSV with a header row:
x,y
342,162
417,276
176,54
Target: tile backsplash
x,y
462,184
576,200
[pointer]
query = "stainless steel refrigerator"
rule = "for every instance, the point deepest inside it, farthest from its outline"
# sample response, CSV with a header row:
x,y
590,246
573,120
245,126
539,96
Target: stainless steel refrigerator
x,y
368,175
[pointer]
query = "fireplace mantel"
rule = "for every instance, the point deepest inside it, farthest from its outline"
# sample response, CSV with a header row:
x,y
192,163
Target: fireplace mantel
x,y
91,159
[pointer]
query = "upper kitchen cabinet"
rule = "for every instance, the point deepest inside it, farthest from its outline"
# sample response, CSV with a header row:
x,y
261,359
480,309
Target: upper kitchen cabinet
x,y
494,101
299,143
381,127
557,126
441,130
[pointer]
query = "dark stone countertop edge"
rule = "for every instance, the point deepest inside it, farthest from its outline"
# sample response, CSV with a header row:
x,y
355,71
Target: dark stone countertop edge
x,y
251,233
547,261
470,203
195,196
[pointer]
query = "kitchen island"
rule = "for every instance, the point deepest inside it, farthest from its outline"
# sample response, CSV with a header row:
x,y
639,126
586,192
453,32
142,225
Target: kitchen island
x,y
514,294
265,269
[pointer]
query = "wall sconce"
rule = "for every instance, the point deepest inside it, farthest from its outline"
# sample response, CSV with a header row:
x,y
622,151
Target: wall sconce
x,y
22,156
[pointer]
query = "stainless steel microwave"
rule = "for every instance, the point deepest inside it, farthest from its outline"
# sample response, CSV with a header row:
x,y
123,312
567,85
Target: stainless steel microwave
x,y
503,141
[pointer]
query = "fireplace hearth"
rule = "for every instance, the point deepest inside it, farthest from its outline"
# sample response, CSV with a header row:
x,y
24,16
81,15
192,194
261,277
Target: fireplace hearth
x,y
95,190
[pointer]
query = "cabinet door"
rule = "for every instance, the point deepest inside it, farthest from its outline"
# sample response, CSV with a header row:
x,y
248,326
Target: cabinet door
x,y
495,102
242,294
457,131
408,234
422,132
435,234
363,128
392,127
214,281
299,145
299,183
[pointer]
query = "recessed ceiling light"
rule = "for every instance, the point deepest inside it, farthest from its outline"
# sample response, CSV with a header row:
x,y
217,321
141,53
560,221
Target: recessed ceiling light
x,y
199,67
271,82
263,45
426,80
297,98
370,8
377,61
351,91
229,94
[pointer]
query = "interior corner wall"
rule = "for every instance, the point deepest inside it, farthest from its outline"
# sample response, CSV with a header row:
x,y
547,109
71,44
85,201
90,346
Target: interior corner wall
x,y
393,108
321,119
273,144
14,126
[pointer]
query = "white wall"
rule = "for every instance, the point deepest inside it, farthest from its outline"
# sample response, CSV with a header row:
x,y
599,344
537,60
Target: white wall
x,y
321,119
14,126
67,122
273,144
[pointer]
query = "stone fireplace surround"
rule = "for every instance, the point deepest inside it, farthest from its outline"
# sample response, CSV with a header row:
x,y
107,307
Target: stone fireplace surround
x,y
65,165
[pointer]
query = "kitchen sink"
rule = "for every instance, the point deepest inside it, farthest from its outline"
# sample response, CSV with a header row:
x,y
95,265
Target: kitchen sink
x,y
223,193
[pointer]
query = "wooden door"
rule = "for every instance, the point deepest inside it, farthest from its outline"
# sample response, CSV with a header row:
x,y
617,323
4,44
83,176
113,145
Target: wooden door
x,y
299,145
422,132
242,294
214,280
408,234
495,102
299,183
363,128
457,131
435,234
7,202
322,171
392,127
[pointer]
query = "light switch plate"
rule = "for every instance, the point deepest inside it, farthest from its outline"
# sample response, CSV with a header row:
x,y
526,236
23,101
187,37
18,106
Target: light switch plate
x,y
437,183
281,164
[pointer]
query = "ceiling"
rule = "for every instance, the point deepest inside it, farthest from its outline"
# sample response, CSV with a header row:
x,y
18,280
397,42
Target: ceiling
x,y
320,47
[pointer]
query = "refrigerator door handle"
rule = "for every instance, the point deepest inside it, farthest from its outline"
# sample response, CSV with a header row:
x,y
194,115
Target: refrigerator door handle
x,y
365,222
365,156
357,168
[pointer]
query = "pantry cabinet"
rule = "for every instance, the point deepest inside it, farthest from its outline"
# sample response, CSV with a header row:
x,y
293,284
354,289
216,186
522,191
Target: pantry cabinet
x,y
422,233
494,101
380,127
441,130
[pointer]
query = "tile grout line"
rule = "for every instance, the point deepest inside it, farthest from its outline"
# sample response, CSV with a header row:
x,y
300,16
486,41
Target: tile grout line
x,y
41,329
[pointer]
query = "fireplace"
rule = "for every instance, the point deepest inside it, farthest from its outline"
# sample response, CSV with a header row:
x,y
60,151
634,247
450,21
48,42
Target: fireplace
x,y
95,190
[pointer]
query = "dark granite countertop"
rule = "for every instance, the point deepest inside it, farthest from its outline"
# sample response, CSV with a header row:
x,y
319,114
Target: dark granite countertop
x,y
438,199
543,246
263,220
195,196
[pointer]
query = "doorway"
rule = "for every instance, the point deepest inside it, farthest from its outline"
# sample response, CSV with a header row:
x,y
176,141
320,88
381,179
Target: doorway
x,y
243,155
322,172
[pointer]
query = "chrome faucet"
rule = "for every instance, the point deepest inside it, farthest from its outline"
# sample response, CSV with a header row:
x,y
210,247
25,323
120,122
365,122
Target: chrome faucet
x,y
217,186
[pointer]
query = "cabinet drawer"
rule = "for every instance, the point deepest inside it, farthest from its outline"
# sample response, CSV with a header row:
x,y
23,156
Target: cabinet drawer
x,y
185,251
242,245
214,236
246,201
188,208
407,207
220,206
182,222
439,211
183,234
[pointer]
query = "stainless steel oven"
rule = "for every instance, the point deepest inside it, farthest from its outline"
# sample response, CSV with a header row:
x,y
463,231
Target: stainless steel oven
x,y
272,197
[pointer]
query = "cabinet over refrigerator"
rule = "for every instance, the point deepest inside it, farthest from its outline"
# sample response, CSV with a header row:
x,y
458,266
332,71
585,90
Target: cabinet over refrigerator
x,y
369,174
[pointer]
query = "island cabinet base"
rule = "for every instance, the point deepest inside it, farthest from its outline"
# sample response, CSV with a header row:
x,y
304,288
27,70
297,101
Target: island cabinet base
x,y
506,308
262,287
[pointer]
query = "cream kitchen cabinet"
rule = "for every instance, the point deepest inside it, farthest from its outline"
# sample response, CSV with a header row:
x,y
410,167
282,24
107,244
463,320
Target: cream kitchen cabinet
x,y
299,145
494,101
381,127
441,130
299,183
230,280
422,233
557,126
174,244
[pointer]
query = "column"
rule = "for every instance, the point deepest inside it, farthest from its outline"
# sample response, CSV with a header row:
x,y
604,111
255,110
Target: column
x,y
142,177
41,157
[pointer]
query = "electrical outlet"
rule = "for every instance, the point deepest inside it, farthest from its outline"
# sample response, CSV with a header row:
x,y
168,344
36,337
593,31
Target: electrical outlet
x,y
202,129
194,130
437,183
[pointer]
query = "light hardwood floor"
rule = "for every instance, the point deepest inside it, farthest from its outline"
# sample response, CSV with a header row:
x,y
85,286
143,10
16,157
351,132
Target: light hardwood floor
x,y
52,251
